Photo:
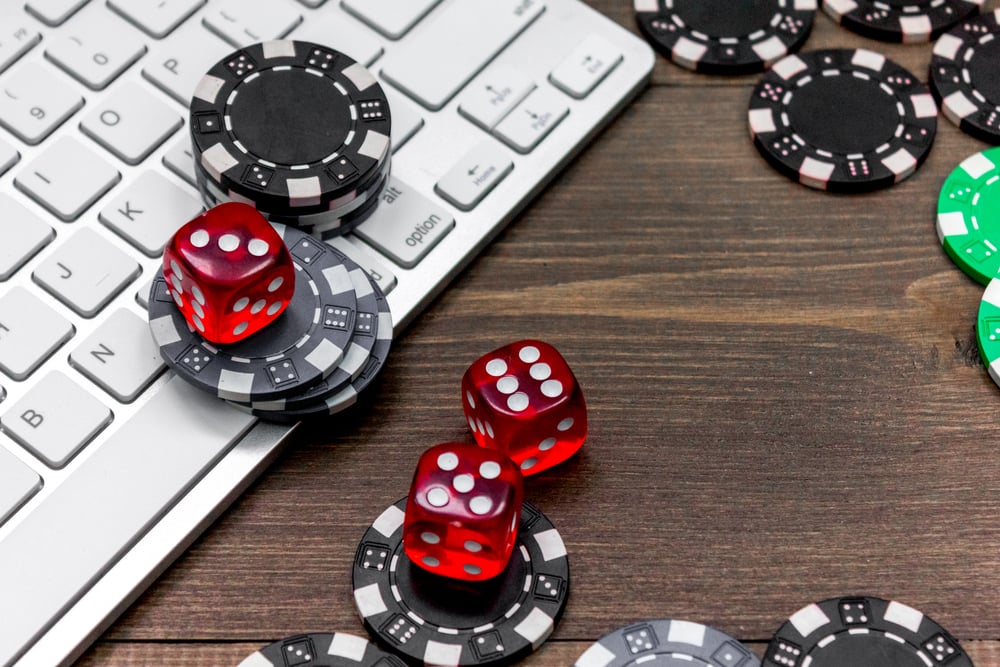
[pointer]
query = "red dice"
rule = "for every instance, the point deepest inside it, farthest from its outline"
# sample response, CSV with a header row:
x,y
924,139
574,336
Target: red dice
x,y
463,511
523,401
229,273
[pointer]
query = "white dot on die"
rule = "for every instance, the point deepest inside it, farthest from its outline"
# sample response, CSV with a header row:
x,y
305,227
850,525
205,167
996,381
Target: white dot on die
x,y
472,424
177,299
198,324
196,292
552,388
473,547
275,284
258,248
480,505
472,401
496,367
199,239
448,461
565,424
430,561
540,371
257,306
463,483
240,328
472,569
229,242
437,497
546,444
176,281
430,538
518,402
507,384
175,267
196,307
241,304
489,470
529,354
528,464
489,429
276,306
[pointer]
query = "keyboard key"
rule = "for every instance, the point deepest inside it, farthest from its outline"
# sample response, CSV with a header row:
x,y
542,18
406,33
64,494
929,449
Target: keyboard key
x,y
67,178
492,97
54,12
96,49
406,119
532,120
156,17
475,175
30,331
120,357
350,38
86,272
586,67
17,37
142,294
392,18
22,234
149,211
55,419
181,61
243,22
180,159
107,504
131,123
8,156
454,45
34,102
366,259
18,482
406,225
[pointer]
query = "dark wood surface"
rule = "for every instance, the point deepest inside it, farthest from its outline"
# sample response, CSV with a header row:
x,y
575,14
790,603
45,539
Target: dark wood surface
x,y
785,397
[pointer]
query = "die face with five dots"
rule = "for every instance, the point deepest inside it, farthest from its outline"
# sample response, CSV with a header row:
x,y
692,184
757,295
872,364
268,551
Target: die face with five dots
x,y
463,511
229,273
524,401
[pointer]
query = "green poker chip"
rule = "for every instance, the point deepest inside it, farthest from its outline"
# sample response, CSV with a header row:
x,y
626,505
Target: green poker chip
x,y
988,329
968,221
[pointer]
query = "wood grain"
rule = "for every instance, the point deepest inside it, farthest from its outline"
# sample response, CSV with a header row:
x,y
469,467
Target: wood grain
x,y
786,403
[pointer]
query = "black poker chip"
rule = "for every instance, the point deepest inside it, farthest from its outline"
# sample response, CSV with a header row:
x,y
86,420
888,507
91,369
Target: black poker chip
x,y
862,631
667,643
965,76
901,20
725,37
322,649
433,620
844,120
305,344
293,127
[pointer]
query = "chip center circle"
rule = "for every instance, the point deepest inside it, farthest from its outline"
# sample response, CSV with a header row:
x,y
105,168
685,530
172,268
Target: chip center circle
x,y
844,114
984,72
869,648
290,117
736,21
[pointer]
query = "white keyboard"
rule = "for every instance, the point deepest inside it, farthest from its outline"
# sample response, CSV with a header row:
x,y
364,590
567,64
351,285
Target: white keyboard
x,y
110,466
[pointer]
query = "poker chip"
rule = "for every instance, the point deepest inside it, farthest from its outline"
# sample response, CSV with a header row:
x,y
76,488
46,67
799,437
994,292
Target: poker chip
x,y
725,37
844,120
667,643
900,20
300,348
968,221
433,620
988,329
965,76
322,649
862,631
295,128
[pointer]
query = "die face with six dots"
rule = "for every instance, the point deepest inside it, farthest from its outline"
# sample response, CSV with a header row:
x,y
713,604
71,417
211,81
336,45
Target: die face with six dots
x,y
524,401
462,512
229,273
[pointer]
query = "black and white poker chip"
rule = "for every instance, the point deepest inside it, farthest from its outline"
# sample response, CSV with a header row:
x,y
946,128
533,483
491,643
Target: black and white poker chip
x,y
725,37
322,649
900,20
305,344
294,127
862,631
432,620
667,643
844,120
965,76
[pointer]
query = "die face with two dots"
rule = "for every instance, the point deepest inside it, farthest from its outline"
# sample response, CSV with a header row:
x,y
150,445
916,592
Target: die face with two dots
x,y
463,511
229,273
524,401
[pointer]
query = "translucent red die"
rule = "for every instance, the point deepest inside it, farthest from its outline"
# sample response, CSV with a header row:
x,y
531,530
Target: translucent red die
x,y
463,511
229,273
524,401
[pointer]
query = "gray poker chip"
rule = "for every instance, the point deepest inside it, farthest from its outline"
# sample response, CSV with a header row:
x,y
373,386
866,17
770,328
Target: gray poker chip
x,y
305,344
667,643
908,21
433,620
322,649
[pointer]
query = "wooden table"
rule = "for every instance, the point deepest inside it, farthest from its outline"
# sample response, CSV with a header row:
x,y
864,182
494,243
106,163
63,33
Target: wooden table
x,y
786,403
